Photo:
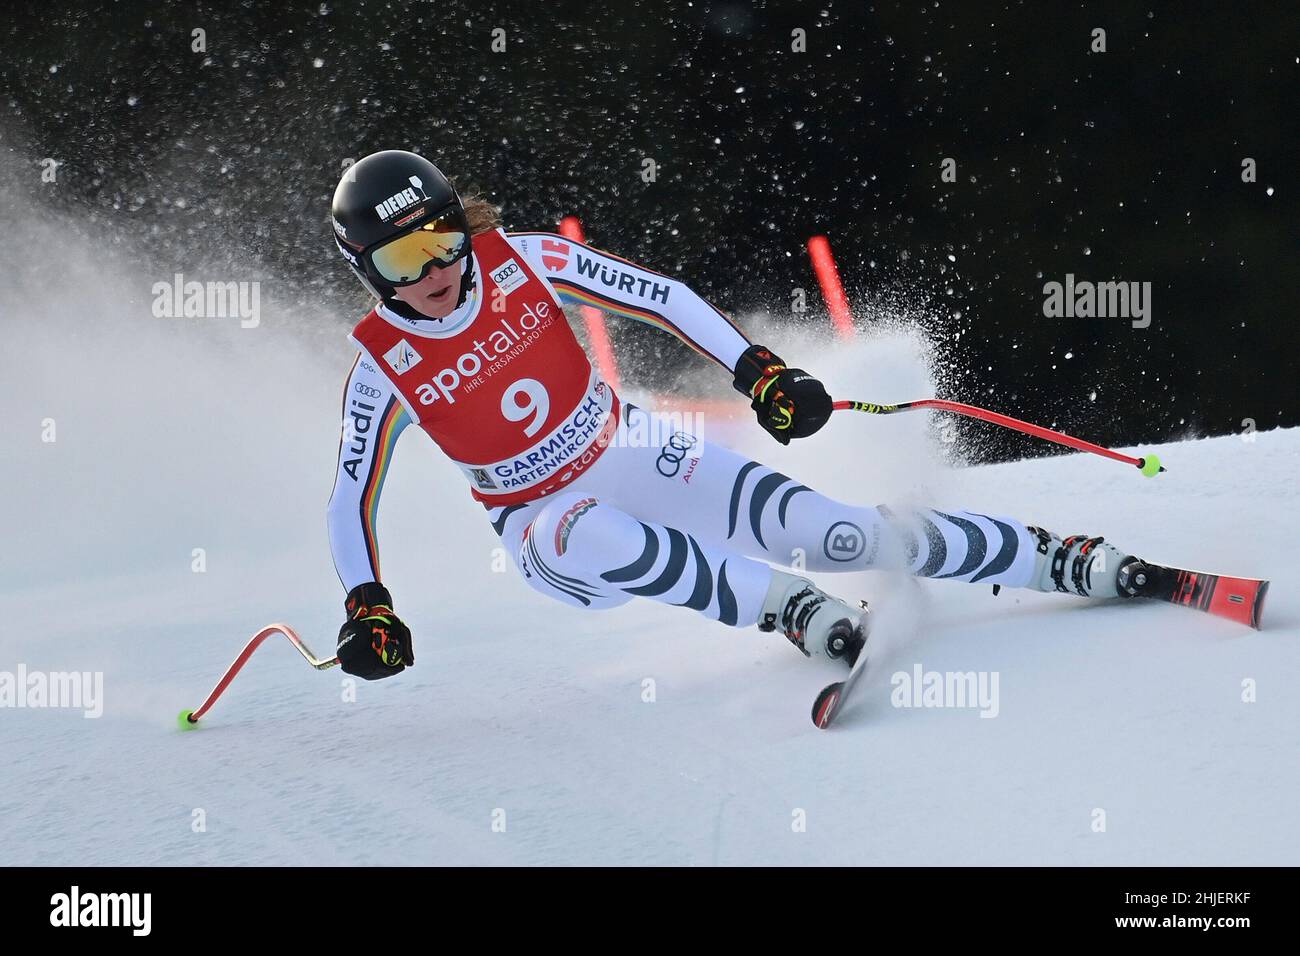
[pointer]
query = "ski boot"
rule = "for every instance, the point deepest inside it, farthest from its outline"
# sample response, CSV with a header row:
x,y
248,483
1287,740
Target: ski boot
x,y
1086,566
812,620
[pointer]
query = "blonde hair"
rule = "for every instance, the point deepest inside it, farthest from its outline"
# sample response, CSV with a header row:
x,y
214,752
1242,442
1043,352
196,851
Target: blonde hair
x,y
482,214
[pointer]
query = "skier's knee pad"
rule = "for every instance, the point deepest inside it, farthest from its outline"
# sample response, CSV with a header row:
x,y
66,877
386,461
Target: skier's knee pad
x,y
580,530
553,529
564,550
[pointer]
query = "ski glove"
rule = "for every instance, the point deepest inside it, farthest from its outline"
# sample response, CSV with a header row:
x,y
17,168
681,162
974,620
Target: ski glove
x,y
789,402
374,643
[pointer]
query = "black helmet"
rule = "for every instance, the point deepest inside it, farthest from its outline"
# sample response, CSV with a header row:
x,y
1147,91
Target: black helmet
x,y
387,195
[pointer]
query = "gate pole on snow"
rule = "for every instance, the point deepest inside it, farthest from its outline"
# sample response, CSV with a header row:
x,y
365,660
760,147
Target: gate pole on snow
x,y
187,719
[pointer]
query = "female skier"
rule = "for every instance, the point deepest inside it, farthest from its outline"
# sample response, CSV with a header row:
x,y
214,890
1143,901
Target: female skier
x,y
468,340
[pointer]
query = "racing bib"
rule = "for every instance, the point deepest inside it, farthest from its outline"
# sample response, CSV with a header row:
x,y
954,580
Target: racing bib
x,y
509,395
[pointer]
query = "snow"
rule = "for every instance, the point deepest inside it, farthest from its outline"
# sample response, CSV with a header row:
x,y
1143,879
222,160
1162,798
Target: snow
x,y
183,434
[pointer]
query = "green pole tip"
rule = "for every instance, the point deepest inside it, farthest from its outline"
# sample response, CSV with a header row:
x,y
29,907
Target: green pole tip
x,y
1151,466
183,720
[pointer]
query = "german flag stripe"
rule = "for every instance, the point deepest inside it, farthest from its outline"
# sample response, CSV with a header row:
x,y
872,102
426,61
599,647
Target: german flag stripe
x,y
390,426
581,295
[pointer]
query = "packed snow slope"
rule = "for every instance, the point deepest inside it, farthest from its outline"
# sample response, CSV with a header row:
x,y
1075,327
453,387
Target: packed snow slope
x,y
531,733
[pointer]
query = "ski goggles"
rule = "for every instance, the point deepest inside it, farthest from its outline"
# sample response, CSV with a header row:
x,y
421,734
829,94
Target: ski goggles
x,y
408,258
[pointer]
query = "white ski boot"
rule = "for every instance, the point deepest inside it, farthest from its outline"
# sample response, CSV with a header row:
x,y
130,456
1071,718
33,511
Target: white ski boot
x,y
1086,566
814,621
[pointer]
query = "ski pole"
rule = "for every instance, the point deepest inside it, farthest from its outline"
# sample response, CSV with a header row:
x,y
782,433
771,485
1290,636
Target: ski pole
x,y
186,719
1149,465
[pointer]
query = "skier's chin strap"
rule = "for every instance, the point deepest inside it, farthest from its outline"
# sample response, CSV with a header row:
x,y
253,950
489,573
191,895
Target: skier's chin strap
x,y
398,307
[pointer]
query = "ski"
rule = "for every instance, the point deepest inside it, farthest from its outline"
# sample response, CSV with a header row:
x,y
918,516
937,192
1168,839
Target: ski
x,y
831,700
1237,599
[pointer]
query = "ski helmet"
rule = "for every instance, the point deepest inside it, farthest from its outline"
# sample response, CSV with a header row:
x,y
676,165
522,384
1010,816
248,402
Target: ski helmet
x,y
385,197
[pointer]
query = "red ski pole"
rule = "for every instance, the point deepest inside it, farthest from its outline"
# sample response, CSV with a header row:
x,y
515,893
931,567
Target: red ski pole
x,y
187,719
1149,465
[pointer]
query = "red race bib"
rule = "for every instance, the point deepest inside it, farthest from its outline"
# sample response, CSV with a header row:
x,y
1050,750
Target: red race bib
x,y
507,393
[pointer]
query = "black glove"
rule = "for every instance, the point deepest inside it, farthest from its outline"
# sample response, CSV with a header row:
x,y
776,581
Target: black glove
x,y
374,643
790,403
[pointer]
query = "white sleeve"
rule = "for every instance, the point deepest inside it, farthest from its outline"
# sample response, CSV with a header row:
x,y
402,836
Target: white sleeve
x,y
586,276
373,417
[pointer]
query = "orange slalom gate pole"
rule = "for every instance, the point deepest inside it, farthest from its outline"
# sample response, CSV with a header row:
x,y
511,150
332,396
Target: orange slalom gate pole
x,y
828,277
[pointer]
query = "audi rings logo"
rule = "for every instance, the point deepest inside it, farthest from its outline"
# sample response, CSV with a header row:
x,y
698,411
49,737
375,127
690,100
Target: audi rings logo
x,y
674,452
361,388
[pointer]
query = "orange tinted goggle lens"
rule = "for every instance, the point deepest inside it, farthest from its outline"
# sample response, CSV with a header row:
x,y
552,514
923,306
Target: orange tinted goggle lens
x,y
404,260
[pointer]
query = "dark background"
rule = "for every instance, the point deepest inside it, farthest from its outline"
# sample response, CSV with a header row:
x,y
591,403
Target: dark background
x,y
1124,165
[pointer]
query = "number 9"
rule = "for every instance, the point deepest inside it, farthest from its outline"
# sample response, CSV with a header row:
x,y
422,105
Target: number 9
x,y
536,403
